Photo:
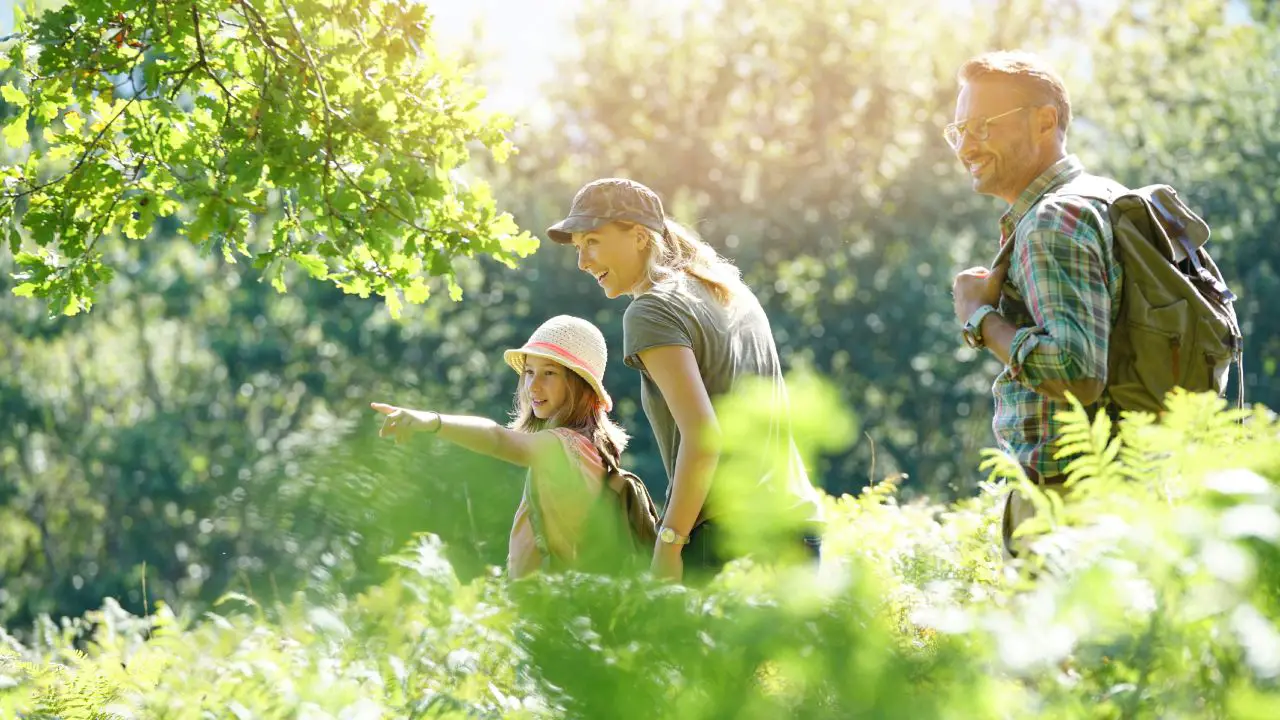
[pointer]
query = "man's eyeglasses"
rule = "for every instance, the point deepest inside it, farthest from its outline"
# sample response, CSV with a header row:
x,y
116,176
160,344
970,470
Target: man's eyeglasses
x,y
978,129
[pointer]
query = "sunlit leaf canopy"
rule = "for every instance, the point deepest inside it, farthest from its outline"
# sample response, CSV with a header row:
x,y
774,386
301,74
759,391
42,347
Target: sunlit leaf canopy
x,y
331,135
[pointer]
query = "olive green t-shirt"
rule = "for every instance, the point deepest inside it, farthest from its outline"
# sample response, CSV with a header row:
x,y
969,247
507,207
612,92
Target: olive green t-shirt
x,y
730,343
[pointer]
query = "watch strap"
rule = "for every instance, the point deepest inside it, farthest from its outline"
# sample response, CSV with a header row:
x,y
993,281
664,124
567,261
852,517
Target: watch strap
x,y
973,327
671,537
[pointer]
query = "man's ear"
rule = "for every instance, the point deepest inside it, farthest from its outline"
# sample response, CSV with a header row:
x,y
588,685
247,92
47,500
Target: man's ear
x,y
1046,118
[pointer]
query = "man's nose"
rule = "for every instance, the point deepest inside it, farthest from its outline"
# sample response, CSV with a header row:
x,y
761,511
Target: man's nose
x,y
583,259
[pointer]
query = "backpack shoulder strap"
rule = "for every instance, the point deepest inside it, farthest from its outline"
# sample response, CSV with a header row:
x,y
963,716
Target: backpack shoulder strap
x,y
1093,187
536,521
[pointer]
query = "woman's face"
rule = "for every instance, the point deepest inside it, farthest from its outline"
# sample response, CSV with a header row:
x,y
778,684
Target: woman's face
x,y
614,256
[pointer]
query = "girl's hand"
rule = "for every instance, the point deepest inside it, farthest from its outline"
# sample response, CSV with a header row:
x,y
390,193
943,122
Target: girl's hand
x,y
401,423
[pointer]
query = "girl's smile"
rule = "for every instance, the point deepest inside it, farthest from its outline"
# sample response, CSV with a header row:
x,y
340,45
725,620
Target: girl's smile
x,y
546,385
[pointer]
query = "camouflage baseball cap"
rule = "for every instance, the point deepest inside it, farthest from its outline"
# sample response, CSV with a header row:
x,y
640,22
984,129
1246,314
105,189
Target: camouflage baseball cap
x,y
608,200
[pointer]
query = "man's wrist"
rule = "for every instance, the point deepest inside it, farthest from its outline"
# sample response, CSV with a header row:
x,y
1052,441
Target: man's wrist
x,y
973,327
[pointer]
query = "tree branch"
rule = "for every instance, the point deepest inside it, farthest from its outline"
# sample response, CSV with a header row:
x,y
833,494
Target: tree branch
x,y
84,156
265,35
204,62
186,73
324,101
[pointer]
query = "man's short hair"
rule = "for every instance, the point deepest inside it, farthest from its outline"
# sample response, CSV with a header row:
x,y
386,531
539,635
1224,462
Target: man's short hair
x,y
1026,71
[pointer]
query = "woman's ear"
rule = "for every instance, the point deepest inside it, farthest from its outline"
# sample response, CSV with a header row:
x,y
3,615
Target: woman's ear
x,y
642,237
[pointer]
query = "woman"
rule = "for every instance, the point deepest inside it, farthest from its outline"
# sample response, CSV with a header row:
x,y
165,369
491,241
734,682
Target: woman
x,y
560,430
693,330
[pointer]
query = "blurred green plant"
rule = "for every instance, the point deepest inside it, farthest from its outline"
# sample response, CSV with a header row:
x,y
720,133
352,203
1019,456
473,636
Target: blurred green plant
x,y
1150,599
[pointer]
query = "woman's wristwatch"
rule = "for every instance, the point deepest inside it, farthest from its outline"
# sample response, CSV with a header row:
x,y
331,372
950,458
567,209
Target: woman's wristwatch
x,y
671,537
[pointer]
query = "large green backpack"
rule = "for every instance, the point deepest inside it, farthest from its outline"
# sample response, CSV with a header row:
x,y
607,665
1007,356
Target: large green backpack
x,y
1177,325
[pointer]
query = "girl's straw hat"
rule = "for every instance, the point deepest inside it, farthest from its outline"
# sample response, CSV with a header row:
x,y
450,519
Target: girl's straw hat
x,y
572,342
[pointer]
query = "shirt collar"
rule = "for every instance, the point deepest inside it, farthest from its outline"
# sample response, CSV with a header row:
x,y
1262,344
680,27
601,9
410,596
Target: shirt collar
x,y
1058,174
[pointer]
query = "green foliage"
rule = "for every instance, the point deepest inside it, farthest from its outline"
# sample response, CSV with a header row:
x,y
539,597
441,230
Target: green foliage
x,y
1149,599
330,134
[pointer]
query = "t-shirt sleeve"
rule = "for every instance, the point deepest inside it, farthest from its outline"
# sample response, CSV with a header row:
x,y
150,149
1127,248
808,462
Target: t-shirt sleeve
x,y
649,322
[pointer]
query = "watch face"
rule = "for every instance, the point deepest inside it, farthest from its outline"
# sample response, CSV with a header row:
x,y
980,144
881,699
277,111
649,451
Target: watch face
x,y
667,535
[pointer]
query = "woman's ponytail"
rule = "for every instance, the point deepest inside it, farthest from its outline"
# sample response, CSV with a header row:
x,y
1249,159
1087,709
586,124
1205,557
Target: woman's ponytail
x,y
679,249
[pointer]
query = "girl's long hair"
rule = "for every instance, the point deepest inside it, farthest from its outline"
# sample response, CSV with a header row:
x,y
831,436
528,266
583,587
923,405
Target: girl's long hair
x,y
582,412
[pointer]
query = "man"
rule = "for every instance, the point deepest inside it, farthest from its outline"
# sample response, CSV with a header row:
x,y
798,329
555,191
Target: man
x,y
1047,311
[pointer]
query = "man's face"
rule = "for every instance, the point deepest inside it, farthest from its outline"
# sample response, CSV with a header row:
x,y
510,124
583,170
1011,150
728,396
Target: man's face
x,y
998,147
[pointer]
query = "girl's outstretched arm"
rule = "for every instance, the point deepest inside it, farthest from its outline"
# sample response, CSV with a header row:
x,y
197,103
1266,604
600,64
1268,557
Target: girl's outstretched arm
x,y
477,434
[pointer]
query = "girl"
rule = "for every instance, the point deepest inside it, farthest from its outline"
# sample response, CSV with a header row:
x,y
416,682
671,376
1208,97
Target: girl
x,y
693,330
560,429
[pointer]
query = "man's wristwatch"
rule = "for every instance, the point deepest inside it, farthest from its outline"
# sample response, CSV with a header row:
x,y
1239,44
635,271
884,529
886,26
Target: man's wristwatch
x,y
973,328
671,537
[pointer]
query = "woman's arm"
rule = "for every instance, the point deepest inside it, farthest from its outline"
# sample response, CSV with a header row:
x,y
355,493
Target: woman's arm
x,y
477,434
675,371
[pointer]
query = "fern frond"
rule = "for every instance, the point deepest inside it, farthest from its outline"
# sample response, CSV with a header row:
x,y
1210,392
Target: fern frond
x,y
1000,464
1090,443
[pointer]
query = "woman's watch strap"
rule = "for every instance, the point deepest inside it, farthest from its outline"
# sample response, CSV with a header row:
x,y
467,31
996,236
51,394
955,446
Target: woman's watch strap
x,y
671,537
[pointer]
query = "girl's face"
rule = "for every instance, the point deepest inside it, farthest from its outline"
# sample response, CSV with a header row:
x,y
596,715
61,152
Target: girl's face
x,y
614,256
546,384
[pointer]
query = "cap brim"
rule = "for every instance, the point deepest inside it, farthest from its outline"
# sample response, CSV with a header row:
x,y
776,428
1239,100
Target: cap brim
x,y
562,232
515,359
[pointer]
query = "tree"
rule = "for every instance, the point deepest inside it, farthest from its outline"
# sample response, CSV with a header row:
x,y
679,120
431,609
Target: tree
x,y
326,133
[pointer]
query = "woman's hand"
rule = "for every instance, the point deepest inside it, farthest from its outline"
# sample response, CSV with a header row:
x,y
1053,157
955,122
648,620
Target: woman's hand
x,y
667,562
401,423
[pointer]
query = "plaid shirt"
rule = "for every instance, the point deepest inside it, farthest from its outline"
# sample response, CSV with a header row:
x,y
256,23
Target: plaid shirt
x,y
1063,294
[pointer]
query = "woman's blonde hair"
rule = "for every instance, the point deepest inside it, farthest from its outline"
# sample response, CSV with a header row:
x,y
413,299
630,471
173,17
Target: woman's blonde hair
x,y
583,412
680,249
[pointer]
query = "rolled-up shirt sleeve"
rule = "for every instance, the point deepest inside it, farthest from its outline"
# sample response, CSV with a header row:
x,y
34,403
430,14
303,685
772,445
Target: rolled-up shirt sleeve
x,y
1062,275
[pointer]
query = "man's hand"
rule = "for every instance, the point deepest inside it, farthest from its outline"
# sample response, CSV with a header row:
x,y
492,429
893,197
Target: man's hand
x,y
667,563
401,423
976,287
